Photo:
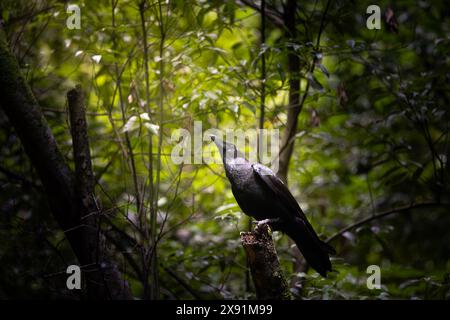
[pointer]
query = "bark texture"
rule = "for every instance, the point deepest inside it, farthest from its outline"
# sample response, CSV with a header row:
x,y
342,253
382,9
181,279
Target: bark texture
x,y
62,186
264,265
294,107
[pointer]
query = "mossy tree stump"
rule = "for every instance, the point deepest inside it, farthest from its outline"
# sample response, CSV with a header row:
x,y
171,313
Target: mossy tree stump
x,y
267,276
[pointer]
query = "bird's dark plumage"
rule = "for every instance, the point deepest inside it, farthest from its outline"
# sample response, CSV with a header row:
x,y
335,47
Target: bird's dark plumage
x,y
262,195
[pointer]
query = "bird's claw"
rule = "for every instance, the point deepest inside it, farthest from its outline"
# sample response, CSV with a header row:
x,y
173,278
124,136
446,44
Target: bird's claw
x,y
263,222
260,222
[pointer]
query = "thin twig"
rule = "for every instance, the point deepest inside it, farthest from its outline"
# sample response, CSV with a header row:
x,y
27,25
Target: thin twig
x,y
384,214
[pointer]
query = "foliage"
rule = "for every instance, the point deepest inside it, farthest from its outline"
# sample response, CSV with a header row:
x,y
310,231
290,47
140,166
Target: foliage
x,y
372,136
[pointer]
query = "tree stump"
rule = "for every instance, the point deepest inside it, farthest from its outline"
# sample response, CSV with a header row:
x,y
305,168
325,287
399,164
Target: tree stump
x,y
264,265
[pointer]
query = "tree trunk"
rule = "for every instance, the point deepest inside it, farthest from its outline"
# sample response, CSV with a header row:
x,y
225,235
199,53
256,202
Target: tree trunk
x,y
294,107
264,265
66,204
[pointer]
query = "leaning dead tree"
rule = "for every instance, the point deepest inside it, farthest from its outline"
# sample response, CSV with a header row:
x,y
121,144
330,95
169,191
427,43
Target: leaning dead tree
x,y
89,207
70,195
264,265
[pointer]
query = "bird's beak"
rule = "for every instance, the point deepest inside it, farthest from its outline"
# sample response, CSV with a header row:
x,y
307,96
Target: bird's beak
x,y
218,142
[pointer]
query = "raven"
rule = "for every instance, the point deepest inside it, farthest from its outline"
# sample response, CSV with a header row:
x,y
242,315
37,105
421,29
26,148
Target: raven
x,y
263,196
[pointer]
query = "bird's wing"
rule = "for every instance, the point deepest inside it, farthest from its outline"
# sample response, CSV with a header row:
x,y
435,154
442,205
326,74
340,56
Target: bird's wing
x,y
279,189
284,196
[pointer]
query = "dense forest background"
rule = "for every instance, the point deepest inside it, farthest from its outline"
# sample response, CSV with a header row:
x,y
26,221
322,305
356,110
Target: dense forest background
x,y
363,118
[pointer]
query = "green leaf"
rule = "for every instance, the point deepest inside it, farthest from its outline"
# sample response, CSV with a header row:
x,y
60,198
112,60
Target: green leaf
x,y
314,83
323,69
152,128
132,124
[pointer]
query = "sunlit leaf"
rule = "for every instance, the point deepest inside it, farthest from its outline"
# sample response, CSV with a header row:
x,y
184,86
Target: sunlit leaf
x,y
97,58
152,128
132,124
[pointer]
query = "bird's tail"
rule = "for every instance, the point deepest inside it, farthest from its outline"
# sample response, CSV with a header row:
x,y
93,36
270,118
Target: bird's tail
x,y
315,251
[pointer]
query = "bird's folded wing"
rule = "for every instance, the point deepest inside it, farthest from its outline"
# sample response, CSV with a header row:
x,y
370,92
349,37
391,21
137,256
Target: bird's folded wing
x,y
284,196
279,189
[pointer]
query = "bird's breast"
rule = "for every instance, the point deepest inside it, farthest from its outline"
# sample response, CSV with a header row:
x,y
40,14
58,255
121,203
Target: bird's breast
x,y
249,194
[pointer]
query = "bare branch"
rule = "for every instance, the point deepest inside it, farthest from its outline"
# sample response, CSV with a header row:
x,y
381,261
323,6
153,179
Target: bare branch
x,y
384,214
273,16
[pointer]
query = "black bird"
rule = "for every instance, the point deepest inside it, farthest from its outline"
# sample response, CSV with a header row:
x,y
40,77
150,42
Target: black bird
x,y
263,196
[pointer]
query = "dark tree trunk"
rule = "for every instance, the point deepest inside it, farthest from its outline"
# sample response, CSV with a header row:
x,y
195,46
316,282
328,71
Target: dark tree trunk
x,y
294,107
68,205
264,265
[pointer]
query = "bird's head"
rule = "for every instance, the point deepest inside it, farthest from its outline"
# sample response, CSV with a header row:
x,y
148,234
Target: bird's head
x,y
227,150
